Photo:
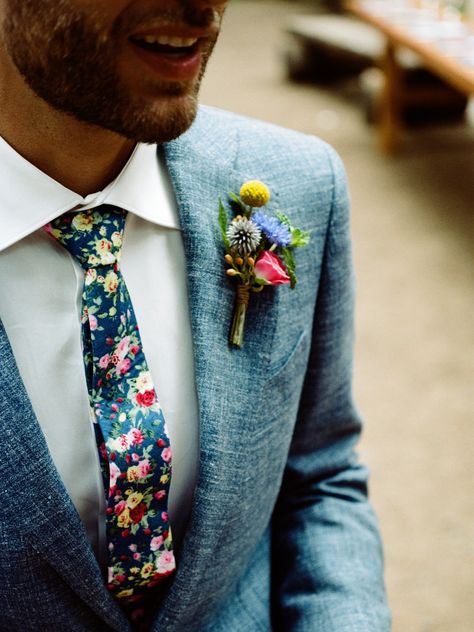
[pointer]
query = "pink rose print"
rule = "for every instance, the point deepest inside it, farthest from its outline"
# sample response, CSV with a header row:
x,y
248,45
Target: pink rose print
x,y
270,268
120,507
123,346
147,398
166,455
160,494
165,563
104,361
123,366
156,543
124,443
114,473
144,468
92,322
135,436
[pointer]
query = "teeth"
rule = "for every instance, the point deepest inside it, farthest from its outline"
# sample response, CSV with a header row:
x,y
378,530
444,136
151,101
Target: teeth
x,y
164,40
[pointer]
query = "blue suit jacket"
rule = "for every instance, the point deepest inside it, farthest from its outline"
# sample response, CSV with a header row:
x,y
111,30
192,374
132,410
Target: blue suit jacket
x,y
281,535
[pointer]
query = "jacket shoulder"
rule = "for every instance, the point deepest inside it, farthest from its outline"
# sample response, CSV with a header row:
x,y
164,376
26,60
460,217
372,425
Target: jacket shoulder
x,y
277,150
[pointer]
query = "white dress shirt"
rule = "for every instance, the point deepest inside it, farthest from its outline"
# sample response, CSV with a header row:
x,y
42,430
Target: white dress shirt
x,y
40,300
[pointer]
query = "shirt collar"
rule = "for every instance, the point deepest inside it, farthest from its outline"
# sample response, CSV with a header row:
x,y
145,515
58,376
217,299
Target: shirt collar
x,y
29,198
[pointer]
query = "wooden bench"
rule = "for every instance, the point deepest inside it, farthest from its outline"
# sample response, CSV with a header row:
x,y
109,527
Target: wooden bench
x,y
324,48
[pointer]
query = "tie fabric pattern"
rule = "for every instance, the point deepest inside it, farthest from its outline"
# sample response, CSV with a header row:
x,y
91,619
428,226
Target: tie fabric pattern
x,y
133,444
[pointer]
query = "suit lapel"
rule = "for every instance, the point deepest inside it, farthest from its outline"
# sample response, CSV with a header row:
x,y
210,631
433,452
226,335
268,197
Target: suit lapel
x,y
227,379
43,513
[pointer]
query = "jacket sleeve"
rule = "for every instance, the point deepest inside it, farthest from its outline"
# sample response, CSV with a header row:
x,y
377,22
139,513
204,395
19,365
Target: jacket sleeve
x,y
326,552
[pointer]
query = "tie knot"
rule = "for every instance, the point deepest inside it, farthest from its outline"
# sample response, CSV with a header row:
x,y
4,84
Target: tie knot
x,y
93,237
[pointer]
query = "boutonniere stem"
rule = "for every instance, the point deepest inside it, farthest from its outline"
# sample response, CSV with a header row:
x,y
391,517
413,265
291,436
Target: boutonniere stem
x,y
242,299
259,249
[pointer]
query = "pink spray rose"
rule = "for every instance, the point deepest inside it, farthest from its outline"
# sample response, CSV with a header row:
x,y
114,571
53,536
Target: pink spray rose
x,y
270,268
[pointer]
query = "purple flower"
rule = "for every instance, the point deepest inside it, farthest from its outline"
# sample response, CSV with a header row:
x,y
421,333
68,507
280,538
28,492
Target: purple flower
x,y
274,230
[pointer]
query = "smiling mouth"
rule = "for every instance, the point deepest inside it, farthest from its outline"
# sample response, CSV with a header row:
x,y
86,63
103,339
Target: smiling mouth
x,y
176,47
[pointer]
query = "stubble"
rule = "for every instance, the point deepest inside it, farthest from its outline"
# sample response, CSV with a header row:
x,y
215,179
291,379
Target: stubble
x,y
69,60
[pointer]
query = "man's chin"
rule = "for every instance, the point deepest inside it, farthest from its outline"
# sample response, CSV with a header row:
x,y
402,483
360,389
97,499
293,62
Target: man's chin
x,y
160,121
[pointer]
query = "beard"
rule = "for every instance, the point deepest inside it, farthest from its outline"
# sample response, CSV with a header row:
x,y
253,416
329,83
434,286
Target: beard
x,y
69,59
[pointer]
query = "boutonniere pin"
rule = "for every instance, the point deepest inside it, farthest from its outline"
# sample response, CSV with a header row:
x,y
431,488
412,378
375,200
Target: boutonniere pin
x,y
259,249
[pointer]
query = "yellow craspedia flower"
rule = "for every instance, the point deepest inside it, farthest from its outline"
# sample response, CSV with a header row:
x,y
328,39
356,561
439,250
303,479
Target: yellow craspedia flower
x,y
255,193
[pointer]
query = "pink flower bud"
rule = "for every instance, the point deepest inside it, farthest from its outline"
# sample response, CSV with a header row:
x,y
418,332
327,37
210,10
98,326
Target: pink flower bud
x,y
270,268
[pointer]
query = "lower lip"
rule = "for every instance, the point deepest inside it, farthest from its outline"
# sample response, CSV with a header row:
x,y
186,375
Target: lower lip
x,y
169,68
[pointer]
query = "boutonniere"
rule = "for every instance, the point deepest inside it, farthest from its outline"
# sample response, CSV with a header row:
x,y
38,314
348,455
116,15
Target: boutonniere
x,y
259,249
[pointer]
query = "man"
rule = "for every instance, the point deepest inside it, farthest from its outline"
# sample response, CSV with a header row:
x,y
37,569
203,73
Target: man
x,y
271,528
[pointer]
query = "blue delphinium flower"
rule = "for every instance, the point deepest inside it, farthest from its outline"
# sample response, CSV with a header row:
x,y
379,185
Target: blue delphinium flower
x,y
275,231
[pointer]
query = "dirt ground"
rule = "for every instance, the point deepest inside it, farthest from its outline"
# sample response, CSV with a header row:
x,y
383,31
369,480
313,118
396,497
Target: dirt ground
x,y
413,234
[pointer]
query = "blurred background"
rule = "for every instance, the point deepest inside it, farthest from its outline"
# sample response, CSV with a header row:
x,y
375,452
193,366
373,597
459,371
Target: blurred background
x,y
413,233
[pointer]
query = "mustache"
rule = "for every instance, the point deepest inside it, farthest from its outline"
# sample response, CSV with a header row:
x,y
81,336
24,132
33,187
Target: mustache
x,y
187,16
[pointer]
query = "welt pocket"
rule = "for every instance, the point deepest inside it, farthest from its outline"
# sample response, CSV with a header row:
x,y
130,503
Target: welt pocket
x,y
297,351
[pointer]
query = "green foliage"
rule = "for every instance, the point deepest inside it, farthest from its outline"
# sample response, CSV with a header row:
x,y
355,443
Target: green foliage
x,y
284,219
290,265
237,200
223,223
299,238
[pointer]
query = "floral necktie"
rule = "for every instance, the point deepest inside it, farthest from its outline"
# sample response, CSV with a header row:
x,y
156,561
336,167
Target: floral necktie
x,y
133,444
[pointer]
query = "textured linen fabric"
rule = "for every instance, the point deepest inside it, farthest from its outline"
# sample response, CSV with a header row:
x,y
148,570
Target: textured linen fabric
x,y
281,535
40,299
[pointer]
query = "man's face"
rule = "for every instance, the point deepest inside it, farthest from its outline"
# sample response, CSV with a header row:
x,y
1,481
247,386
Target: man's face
x,y
130,66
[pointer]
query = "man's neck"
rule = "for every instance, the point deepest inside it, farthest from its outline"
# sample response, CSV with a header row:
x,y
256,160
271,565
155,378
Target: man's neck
x,y
82,157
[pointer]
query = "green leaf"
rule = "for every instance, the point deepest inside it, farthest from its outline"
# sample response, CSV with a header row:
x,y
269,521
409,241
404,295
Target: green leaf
x,y
223,224
237,200
284,219
290,265
299,238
